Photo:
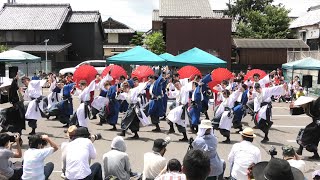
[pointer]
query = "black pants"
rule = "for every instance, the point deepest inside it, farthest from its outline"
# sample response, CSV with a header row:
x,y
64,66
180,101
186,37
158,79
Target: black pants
x,y
17,174
32,123
180,128
96,172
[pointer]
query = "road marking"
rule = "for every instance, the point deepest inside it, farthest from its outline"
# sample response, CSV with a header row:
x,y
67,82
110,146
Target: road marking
x,y
283,126
291,141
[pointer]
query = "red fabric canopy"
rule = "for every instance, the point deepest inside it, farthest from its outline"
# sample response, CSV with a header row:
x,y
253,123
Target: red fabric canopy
x,y
250,74
142,73
84,72
116,72
188,72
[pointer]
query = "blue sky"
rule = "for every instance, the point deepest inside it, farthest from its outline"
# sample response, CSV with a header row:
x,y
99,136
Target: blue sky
x,y
137,13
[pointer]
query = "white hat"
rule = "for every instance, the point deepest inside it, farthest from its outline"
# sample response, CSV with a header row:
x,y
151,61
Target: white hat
x,y
248,132
303,100
205,124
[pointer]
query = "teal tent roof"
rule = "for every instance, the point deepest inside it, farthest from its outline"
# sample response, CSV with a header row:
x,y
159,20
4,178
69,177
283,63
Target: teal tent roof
x,y
306,63
137,55
166,56
196,57
17,56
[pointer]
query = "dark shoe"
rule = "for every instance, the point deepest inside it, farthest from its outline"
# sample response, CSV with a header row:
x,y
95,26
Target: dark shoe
x,y
255,127
66,126
123,133
265,140
99,124
270,124
171,131
164,118
156,130
94,117
184,140
299,152
314,157
136,136
32,133
113,129
227,141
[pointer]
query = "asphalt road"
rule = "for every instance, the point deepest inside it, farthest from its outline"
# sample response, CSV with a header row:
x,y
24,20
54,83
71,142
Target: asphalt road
x,y
283,132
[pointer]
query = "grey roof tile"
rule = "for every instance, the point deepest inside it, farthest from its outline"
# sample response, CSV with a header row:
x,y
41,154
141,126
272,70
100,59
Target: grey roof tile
x,y
310,18
42,48
270,43
185,8
84,17
33,16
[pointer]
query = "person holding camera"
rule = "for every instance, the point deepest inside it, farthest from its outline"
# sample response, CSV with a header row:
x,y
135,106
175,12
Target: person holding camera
x,y
173,171
154,162
243,154
70,133
79,152
293,158
7,168
208,142
33,164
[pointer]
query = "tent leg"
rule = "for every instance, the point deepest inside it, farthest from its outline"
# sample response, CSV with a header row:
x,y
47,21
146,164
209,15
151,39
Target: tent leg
x,y
292,74
27,70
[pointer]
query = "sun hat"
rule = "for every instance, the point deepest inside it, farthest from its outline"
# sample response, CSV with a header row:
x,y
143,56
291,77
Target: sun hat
x,y
248,132
205,124
276,169
303,100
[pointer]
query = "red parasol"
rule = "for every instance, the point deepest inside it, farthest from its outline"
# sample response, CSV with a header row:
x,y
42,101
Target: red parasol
x,y
142,73
220,74
84,72
188,71
213,84
254,71
116,72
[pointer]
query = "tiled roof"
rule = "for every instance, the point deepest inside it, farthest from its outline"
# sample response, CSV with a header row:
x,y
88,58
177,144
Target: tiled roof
x,y
119,31
42,48
117,46
270,43
155,16
185,8
84,17
33,16
310,18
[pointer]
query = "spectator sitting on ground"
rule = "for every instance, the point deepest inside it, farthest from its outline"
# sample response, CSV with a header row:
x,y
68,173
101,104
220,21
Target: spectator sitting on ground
x,y
196,165
293,158
35,77
70,133
243,154
116,162
300,92
7,168
154,162
316,175
33,164
208,142
172,171
79,152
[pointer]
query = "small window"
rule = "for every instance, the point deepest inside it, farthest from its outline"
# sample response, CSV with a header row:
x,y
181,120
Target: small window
x,y
113,38
98,64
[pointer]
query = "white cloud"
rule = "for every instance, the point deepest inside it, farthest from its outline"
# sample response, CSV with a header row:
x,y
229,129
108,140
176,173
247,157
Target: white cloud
x,y
138,13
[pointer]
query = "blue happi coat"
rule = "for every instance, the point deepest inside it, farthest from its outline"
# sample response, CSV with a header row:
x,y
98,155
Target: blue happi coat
x,y
66,105
238,109
165,97
113,106
156,103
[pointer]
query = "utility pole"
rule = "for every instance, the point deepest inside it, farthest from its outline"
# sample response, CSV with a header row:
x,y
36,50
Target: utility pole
x,y
46,44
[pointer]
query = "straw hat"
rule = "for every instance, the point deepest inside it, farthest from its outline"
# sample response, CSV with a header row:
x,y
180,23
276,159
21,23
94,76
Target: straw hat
x,y
248,132
303,100
205,124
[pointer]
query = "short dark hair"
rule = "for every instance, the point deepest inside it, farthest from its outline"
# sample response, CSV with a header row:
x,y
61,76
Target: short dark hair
x,y
35,140
176,75
122,77
225,82
83,82
152,77
256,75
174,165
25,78
176,81
247,138
196,165
135,79
4,139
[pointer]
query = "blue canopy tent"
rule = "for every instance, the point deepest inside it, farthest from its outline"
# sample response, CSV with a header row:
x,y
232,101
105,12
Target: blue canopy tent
x,y
196,57
306,63
166,56
16,56
137,55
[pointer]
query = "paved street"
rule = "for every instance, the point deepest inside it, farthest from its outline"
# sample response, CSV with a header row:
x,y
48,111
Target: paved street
x,y
284,131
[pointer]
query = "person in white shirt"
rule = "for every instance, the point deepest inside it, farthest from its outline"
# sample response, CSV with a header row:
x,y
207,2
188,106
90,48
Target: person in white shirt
x,y
154,162
293,158
33,163
79,152
243,154
172,171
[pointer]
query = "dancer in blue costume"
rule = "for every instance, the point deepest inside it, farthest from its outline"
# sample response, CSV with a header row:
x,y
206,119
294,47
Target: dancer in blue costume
x,y
113,107
156,104
240,108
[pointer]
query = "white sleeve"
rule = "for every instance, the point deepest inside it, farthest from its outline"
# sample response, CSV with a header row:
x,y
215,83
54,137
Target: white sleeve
x,y
231,155
274,91
264,81
92,151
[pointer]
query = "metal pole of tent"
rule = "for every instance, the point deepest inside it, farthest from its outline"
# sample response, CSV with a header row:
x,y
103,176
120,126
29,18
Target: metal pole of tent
x,y
27,70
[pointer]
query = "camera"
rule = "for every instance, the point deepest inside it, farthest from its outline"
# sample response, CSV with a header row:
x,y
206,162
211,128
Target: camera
x,y
13,138
272,151
96,136
190,143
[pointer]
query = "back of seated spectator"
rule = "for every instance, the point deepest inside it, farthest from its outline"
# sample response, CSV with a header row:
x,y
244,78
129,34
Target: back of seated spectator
x,y
7,168
196,165
70,133
172,171
293,158
116,162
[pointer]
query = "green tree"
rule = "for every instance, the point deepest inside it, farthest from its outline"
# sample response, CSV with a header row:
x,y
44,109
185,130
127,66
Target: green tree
x,y
155,43
271,23
137,39
3,48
